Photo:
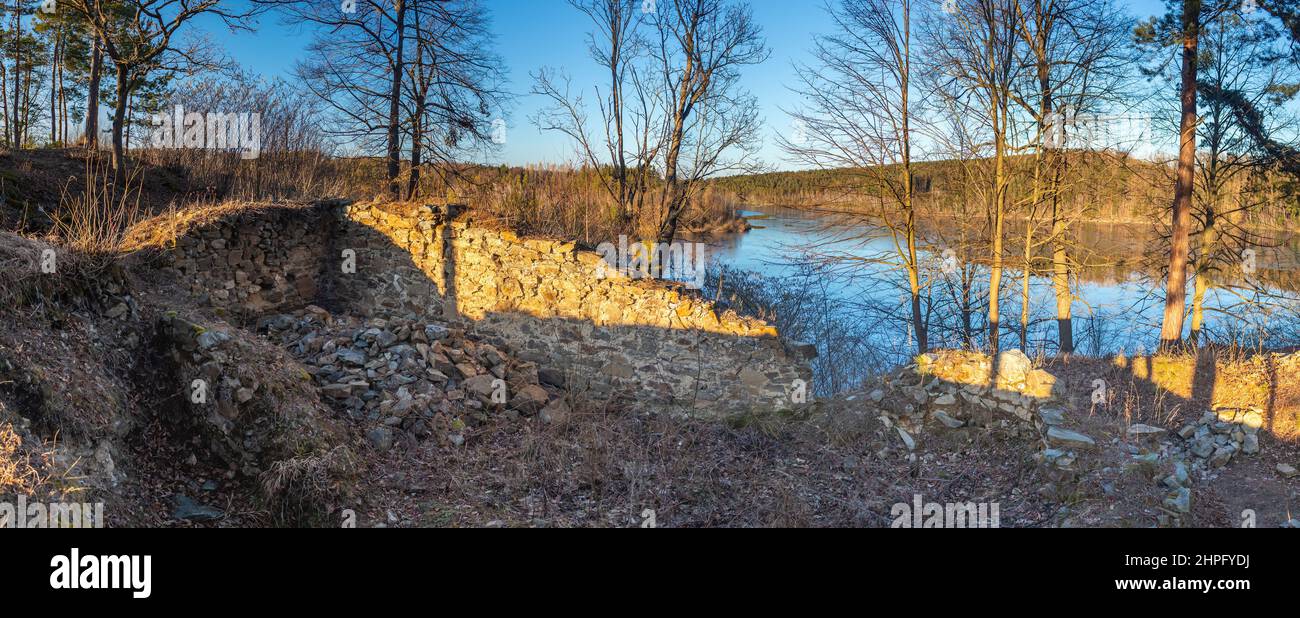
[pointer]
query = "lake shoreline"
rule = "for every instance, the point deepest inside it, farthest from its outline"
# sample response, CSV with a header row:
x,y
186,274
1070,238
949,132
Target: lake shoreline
x,y
865,212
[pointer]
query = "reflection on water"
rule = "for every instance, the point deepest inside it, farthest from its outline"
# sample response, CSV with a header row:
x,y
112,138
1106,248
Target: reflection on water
x,y
1118,302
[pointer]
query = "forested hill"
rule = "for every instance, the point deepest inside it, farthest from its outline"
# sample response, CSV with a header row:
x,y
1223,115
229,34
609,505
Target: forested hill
x,y
1108,185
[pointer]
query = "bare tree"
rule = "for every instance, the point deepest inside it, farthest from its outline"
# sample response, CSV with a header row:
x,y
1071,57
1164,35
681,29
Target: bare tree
x,y
974,43
356,67
1075,54
454,84
629,143
397,70
700,47
685,115
858,116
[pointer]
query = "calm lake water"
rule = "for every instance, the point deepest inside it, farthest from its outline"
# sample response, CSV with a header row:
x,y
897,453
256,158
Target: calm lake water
x,y
1117,307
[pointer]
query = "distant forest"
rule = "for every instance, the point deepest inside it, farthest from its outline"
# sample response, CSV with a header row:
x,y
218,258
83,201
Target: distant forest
x,y
1102,186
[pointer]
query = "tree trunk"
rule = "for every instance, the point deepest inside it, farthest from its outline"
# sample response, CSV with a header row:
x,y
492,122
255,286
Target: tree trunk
x,y
54,100
909,206
4,103
674,202
967,310
1171,331
91,137
16,124
119,124
1204,264
417,140
394,116
1061,278
999,211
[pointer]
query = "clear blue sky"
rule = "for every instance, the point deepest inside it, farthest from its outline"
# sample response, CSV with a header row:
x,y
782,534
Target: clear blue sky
x,y
536,33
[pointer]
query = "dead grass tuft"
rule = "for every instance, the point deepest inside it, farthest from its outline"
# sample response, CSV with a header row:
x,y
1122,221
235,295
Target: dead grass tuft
x,y
162,231
17,475
94,220
307,489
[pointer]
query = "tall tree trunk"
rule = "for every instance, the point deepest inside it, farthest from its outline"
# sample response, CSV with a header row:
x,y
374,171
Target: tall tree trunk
x,y
28,113
119,124
4,104
91,137
17,125
63,108
1171,331
54,94
674,202
967,309
395,96
1061,273
913,265
417,153
1025,280
999,212
616,109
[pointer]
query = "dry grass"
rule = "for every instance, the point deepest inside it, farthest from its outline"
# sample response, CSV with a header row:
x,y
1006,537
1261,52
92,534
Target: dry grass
x,y
94,219
20,260
604,467
95,215
17,475
24,279
273,176
304,490
161,231
1170,389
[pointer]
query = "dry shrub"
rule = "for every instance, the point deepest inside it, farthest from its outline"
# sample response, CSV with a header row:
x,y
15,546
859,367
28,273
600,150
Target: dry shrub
x,y
94,220
23,282
20,260
273,176
1172,388
17,475
572,203
305,490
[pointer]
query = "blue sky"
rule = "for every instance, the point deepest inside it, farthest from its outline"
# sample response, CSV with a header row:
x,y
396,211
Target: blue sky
x,y
536,33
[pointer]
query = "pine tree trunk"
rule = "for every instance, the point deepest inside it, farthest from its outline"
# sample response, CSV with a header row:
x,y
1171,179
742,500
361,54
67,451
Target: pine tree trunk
x,y
1171,331
91,137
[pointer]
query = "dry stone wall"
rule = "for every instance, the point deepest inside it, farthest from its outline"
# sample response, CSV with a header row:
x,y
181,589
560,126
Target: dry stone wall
x,y
257,262
648,343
